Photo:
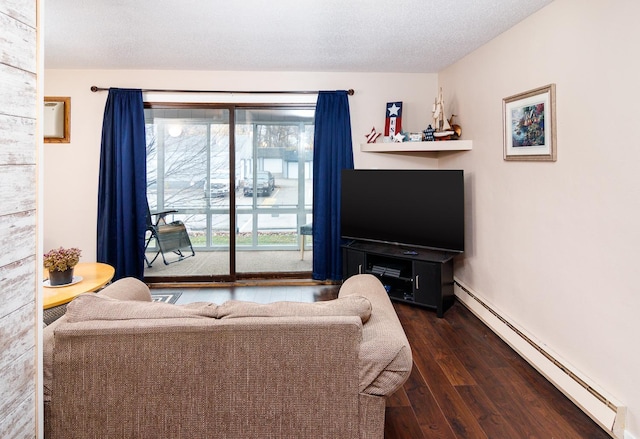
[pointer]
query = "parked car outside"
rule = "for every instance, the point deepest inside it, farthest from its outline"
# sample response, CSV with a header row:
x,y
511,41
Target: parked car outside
x,y
218,185
265,184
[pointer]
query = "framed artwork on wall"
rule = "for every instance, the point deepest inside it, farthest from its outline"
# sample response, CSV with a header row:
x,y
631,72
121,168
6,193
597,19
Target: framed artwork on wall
x,y
529,123
56,126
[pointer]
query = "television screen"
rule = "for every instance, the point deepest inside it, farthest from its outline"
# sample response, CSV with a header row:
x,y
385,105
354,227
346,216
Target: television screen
x,y
421,208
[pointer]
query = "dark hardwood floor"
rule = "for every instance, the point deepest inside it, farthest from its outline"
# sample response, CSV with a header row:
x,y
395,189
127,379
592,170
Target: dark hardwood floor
x,y
465,383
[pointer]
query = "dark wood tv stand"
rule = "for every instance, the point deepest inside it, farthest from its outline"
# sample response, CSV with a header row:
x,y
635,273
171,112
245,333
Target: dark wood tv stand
x,y
412,275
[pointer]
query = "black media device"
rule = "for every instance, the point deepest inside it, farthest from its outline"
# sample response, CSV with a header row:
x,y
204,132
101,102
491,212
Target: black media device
x,y
418,208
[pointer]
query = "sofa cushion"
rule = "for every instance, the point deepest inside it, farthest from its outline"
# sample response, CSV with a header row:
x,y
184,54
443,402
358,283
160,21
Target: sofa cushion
x,y
348,306
96,307
106,306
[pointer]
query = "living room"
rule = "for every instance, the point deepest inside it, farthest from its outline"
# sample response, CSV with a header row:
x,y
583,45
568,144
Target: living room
x,y
550,246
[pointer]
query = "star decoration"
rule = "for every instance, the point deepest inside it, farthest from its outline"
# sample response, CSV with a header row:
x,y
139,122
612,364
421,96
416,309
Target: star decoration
x,y
373,136
399,137
393,110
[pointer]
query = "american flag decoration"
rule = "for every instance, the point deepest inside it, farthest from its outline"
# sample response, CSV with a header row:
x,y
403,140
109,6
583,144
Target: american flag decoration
x,y
373,136
393,121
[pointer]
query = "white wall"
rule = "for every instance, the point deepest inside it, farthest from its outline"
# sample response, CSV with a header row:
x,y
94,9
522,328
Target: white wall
x,y
554,245
71,170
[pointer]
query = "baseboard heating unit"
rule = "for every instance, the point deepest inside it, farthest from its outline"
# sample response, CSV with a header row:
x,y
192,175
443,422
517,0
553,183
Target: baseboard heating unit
x,y
602,408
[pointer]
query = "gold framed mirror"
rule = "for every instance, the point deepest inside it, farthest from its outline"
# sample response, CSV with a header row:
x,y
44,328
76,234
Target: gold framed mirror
x,y
56,125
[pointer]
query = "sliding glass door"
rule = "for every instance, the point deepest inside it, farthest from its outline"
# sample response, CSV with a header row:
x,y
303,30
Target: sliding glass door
x,y
240,178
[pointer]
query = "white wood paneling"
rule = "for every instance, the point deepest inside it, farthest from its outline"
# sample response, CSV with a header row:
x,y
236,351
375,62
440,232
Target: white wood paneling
x,y
17,46
17,92
18,423
17,180
17,137
18,145
23,11
16,282
17,385
17,234
16,335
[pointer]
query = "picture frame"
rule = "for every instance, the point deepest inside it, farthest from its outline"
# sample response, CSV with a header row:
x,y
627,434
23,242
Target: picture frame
x,y
57,119
529,125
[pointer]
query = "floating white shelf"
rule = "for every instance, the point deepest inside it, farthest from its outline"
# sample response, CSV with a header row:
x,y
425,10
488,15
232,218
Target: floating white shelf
x,y
440,145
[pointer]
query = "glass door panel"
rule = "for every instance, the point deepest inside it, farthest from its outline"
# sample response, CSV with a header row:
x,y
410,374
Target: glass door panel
x,y
273,161
187,171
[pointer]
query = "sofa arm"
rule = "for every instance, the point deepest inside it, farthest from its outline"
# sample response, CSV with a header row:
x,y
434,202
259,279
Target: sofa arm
x,y
128,288
124,289
385,354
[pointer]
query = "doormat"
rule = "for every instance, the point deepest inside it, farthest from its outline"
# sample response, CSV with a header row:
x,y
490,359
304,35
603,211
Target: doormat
x,y
166,297
52,314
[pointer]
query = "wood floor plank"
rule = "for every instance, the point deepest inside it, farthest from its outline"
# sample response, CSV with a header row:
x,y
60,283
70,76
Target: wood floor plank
x,y
504,398
454,409
489,417
559,403
401,423
398,399
453,369
433,424
493,349
550,419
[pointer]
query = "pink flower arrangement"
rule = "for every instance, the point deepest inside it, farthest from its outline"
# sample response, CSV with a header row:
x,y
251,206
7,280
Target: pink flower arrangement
x,y
61,259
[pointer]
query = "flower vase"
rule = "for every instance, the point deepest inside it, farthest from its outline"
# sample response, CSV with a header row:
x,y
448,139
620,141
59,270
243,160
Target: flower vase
x,y
60,277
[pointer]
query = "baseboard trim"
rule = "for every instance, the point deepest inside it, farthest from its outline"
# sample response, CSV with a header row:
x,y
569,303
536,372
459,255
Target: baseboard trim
x,y
598,405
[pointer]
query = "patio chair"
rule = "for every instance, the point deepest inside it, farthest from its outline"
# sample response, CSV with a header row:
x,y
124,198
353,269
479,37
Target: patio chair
x,y
305,230
170,237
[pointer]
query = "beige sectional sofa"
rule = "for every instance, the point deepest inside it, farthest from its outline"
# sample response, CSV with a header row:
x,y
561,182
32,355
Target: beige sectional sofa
x,y
120,366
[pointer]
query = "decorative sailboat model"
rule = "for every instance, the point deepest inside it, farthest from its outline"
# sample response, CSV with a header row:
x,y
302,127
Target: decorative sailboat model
x,y
440,122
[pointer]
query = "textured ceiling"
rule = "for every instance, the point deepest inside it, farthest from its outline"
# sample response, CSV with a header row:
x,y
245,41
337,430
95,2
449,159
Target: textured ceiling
x,y
281,35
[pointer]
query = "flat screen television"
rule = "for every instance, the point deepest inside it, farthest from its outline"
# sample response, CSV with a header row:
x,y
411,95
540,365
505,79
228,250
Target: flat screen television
x,y
417,208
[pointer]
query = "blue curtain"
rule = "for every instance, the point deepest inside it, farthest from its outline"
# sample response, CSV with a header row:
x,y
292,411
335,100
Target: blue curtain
x,y
122,202
332,152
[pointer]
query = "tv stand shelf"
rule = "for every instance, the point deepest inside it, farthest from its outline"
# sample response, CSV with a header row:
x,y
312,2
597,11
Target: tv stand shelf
x,y
412,275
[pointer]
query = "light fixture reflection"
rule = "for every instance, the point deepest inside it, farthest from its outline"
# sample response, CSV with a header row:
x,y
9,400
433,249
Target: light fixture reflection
x,y
175,130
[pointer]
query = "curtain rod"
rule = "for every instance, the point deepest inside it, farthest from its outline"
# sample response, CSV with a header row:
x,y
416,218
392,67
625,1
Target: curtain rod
x,y
350,92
